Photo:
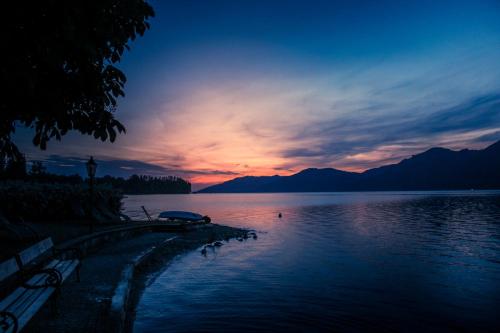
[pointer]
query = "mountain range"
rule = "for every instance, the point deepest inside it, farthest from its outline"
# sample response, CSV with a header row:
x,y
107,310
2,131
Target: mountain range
x,y
434,169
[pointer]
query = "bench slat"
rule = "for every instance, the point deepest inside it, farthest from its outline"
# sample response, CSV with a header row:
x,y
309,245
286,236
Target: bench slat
x,y
27,295
18,293
7,268
17,296
42,298
25,303
35,251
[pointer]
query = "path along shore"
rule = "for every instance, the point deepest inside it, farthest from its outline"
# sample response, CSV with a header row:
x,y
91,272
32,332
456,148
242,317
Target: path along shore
x,y
86,306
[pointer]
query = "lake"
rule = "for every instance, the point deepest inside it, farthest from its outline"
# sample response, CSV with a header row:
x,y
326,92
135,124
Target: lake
x,y
385,261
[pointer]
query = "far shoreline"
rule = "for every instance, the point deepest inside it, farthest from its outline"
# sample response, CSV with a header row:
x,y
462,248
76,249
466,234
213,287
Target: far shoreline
x,y
360,191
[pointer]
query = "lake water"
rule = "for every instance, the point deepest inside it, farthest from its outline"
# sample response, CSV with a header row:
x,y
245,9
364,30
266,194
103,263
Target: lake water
x,y
380,261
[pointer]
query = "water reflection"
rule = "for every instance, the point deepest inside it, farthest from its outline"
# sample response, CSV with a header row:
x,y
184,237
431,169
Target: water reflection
x,y
345,261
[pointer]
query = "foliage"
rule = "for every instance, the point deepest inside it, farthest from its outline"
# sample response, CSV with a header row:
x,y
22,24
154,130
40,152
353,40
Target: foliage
x,y
13,168
51,178
58,66
57,202
147,184
42,196
16,170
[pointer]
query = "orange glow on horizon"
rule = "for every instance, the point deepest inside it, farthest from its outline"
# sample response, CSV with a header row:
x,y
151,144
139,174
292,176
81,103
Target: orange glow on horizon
x,y
215,133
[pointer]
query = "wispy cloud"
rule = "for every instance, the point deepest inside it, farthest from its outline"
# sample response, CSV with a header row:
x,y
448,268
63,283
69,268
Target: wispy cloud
x,y
281,115
121,168
342,139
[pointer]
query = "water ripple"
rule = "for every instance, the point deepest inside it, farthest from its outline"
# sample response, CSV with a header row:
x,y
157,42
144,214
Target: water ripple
x,y
334,262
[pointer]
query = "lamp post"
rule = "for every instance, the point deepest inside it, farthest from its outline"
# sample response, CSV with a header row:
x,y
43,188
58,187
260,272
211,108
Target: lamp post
x,y
91,169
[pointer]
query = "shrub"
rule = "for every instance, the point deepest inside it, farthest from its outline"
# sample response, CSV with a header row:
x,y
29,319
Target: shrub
x,y
47,202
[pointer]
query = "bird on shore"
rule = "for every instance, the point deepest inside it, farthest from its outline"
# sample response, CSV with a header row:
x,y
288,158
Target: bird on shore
x,y
204,251
280,215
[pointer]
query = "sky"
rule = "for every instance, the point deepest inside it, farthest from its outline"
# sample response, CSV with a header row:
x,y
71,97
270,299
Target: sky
x,y
221,89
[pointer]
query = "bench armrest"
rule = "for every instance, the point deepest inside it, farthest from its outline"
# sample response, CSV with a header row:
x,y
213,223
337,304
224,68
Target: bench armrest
x,y
52,278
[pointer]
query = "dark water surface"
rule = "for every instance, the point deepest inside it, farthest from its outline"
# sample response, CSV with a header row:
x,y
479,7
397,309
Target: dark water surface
x,y
412,261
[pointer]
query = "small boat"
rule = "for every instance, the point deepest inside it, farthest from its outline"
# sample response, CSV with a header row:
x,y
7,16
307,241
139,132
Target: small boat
x,y
179,218
174,215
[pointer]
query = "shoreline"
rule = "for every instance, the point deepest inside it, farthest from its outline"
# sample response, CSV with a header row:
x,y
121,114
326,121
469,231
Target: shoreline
x,y
149,271
86,306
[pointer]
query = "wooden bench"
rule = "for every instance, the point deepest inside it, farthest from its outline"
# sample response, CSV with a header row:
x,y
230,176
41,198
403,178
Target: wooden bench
x,y
37,273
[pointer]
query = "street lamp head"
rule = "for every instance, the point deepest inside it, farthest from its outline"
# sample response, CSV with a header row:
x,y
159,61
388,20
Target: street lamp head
x,y
91,167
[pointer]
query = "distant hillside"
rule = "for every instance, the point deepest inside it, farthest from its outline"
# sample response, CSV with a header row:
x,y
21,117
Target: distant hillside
x,y
434,169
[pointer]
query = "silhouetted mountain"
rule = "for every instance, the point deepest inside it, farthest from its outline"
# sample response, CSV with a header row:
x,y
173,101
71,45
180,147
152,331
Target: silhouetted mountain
x,y
313,180
245,184
434,169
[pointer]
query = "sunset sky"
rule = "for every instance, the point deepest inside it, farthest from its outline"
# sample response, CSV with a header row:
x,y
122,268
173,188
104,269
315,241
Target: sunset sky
x,y
220,89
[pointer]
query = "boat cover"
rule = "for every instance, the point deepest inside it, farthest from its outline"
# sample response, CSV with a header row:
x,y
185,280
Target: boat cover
x,y
180,215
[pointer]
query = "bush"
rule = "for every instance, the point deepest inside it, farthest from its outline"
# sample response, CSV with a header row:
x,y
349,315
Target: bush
x,y
38,202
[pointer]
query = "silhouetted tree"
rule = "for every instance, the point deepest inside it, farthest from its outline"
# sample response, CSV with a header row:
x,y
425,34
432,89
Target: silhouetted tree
x,y
57,66
3,164
15,168
147,184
